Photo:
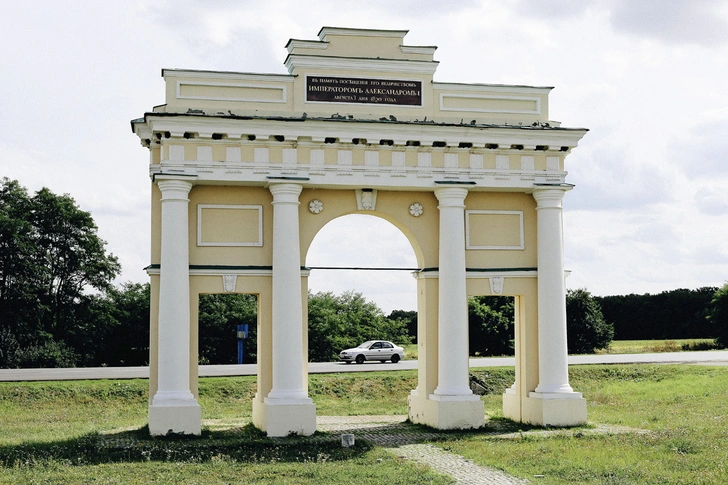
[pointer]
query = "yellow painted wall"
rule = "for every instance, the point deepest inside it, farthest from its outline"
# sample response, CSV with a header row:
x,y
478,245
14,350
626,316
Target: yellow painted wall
x,y
231,256
492,258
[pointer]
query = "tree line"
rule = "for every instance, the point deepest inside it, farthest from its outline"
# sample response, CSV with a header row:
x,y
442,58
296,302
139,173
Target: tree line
x,y
60,308
675,314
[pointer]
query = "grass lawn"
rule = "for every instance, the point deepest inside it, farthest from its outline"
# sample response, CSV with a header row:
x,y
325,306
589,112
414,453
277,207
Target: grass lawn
x,y
683,410
629,346
92,432
648,346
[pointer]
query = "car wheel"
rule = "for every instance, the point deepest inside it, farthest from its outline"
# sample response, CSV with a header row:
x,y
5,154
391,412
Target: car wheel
x,y
395,359
360,359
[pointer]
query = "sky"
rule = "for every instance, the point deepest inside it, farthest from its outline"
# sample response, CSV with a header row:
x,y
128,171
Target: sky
x,y
648,78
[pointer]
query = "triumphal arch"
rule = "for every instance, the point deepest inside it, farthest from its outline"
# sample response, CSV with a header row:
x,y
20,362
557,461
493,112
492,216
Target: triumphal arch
x,y
246,168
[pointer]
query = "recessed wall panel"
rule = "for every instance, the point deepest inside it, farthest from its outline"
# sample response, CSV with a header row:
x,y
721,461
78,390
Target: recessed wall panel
x,y
229,225
496,230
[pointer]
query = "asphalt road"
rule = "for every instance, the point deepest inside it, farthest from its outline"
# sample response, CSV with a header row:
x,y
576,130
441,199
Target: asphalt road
x,y
712,357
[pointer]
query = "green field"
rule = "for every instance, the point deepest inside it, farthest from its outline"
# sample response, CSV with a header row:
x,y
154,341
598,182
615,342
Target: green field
x,y
631,346
648,346
93,432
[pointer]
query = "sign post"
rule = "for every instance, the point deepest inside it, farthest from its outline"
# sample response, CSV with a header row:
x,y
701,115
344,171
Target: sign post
x,y
242,334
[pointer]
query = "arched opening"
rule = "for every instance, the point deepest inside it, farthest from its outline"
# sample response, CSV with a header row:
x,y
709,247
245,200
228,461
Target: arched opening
x,y
358,261
364,241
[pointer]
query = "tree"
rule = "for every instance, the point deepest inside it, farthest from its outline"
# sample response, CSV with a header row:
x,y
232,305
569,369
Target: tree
x,y
17,264
410,319
718,315
218,318
490,321
673,314
128,339
339,322
50,258
72,256
586,328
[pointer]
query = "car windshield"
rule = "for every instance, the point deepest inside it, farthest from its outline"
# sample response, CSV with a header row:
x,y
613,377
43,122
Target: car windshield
x,y
366,344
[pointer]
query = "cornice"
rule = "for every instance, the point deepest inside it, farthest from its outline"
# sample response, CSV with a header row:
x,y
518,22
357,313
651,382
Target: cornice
x,y
490,88
400,132
306,44
419,49
360,32
227,75
302,61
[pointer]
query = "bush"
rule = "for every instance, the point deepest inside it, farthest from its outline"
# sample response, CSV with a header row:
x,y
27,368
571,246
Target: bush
x,y
219,315
8,349
341,322
719,314
49,354
410,319
43,354
490,321
587,330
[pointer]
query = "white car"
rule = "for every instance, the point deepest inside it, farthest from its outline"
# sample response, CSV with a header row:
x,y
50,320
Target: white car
x,y
380,350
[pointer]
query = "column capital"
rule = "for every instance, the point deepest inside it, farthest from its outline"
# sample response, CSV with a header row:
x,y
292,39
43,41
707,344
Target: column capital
x,y
174,188
285,193
451,196
550,197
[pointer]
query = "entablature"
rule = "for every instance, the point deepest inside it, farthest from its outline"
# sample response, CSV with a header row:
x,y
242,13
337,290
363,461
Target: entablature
x,y
345,153
156,127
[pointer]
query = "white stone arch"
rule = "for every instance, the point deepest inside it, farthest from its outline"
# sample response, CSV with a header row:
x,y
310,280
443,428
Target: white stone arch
x,y
366,237
412,241
237,158
364,265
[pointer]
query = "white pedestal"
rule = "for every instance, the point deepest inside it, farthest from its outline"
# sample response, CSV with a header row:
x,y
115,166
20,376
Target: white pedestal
x,y
512,405
167,419
286,417
554,409
447,412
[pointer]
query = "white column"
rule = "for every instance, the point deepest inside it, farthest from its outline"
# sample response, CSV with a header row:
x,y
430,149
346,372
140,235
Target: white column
x,y
453,377
174,297
174,407
287,314
552,348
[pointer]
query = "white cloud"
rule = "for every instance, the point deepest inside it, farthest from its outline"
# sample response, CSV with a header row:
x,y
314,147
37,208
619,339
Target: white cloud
x,y
698,21
361,241
364,241
712,199
647,78
701,149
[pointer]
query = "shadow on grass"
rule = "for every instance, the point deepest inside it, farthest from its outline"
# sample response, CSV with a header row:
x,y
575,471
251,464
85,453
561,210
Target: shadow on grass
x,y
492,425
245,445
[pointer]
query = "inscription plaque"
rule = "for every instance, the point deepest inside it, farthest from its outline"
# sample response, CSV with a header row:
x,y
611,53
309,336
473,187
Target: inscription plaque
x,y
327,89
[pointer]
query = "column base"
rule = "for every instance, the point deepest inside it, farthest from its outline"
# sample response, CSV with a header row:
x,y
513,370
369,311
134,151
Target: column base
x,y
258,413
178,418
553,409
446,412
284,417
512,405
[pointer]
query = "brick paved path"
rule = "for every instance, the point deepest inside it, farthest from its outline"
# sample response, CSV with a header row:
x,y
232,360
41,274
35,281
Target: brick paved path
x,y
402,439
405,441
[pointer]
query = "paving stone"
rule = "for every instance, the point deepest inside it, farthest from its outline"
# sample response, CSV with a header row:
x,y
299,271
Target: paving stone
x,y
407,441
